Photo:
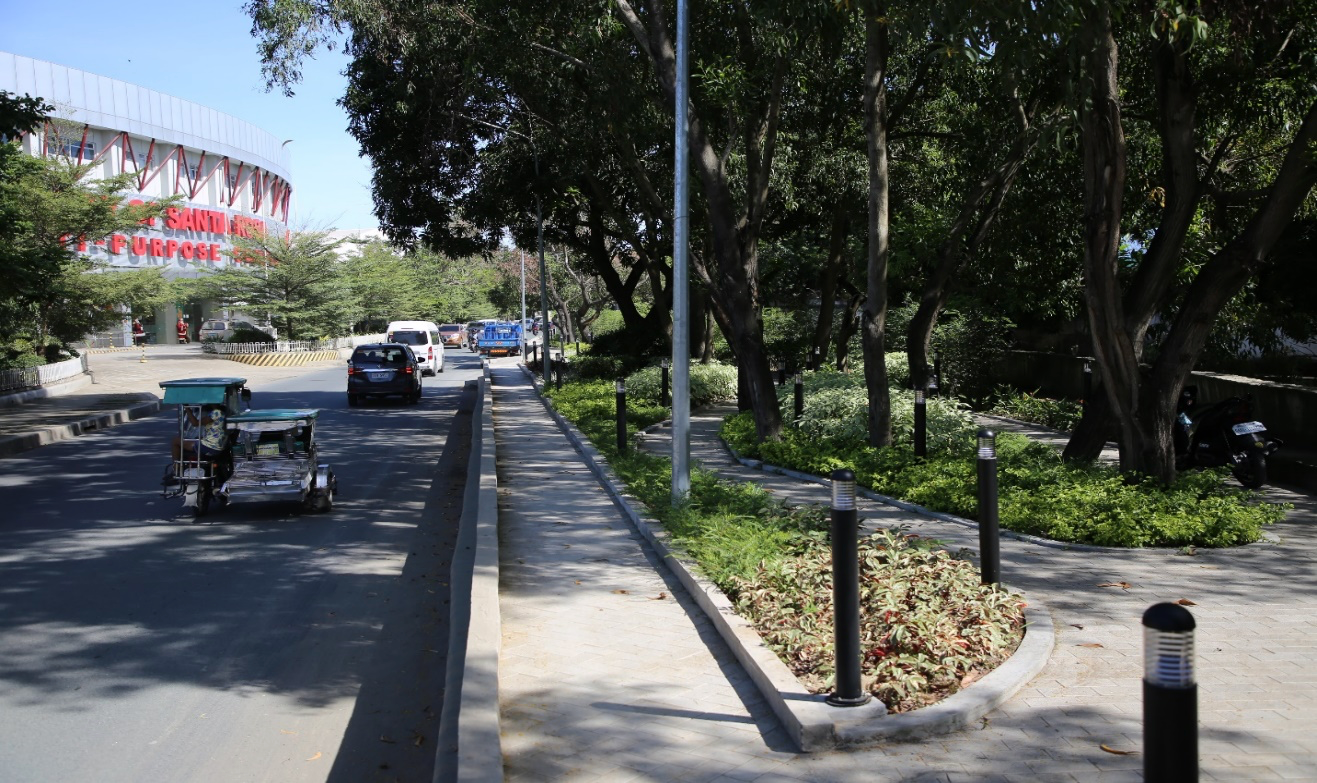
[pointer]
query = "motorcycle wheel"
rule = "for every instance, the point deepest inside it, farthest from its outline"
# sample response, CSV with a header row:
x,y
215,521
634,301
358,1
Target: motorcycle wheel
x,y
1252,470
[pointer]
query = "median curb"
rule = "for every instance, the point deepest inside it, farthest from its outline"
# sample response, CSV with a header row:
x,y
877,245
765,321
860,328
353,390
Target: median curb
x,y
813,724
16,444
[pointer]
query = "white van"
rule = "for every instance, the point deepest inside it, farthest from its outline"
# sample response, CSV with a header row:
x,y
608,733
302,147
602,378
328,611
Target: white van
x,y
425,340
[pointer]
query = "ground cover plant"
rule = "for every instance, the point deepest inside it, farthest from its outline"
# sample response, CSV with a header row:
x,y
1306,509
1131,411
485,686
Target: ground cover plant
x,y
1039,493
1061,415
928,627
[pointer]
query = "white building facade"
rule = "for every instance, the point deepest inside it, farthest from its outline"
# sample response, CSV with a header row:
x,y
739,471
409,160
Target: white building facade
x,y
233,176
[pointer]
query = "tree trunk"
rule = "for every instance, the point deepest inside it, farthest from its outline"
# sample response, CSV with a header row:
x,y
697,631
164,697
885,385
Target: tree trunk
x,y
846,329
833,268
734,232
1103,144
874,313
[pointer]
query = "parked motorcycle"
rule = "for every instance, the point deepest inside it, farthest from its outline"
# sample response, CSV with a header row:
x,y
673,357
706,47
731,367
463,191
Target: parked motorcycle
x,y
1222,434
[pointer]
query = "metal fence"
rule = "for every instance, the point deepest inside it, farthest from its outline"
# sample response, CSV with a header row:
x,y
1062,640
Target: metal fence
x,y
36,377
289,346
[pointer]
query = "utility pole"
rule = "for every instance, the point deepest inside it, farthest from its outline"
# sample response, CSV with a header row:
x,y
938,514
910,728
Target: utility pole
x,y
523,301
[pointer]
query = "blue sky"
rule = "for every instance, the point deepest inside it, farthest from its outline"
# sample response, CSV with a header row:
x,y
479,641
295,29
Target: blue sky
x,y
204,52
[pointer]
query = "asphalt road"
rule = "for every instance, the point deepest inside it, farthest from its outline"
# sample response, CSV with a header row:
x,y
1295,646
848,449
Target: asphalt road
x,y
258,645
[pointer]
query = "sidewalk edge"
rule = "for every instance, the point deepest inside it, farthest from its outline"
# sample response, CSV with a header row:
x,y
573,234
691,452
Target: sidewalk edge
x,y
16,444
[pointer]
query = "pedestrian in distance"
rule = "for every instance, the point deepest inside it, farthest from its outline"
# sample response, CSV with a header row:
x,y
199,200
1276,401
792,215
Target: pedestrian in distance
x,y
139,332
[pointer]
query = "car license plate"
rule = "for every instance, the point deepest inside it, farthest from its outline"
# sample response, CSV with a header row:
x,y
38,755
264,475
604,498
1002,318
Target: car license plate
x,y
1248,428
381,375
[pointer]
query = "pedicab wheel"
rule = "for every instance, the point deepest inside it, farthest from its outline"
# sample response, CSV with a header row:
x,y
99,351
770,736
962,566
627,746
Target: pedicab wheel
x,y
324,497
203,501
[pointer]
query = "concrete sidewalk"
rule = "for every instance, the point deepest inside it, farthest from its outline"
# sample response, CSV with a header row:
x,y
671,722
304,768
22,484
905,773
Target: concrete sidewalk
x,y
610,671
122,388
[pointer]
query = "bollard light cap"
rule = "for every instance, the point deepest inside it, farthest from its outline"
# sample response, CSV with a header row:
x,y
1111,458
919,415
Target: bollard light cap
x,y
620,385
800,377
664,364
1168,646
987,444
919,396
843,489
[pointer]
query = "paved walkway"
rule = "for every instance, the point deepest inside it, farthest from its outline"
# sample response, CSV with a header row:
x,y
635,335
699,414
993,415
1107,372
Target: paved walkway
x,y
609,672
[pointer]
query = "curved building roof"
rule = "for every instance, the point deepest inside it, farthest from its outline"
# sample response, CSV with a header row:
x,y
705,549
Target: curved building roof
x,y
103,102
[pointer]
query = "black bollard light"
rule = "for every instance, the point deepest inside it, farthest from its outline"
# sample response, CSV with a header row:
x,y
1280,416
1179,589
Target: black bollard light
x,y
937,371
800,397
1088,381
921,424
663,395
848,690
1170,695
535,355
782,374
620,387
557,375
989,538
817,361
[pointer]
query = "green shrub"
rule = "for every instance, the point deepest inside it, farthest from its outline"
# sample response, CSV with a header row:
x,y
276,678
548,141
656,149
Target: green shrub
x,y
1058,414
709,383
1039,493
22,361
249,336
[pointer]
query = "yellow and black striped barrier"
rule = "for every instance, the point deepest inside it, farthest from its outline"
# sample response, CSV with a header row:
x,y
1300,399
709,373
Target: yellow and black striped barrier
x,y
283,359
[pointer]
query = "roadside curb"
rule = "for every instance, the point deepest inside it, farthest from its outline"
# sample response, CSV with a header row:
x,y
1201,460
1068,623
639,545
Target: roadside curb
x,y
16,444
57,389
813,724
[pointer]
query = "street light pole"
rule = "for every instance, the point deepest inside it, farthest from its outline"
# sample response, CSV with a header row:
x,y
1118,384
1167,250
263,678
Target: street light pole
x,y
681,354
523,302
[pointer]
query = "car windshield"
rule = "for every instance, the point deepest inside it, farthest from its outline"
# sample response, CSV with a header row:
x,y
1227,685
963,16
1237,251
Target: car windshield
x,y
213,325
450,328
368,355
409,338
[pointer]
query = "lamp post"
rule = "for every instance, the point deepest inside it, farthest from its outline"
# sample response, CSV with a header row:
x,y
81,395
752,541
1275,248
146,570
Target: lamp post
x,y
989,535
523,305
1170,695
849,691
663,395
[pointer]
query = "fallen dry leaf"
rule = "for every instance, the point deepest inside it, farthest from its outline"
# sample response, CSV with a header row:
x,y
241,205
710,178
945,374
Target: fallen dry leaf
x,y
389,740
621,592
659,597
970,676
316,756
1090,644
286,731
1186,602
419,740
1121,585
578,581
1077,625
1110,749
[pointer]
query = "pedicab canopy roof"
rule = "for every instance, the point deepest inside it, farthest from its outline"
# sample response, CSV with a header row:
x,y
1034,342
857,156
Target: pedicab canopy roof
x,y
200,391
287,415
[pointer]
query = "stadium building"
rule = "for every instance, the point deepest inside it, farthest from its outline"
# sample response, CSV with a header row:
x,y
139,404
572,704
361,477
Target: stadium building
x,y
233,176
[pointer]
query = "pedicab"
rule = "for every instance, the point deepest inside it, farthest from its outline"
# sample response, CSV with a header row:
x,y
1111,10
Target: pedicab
x,y
226,453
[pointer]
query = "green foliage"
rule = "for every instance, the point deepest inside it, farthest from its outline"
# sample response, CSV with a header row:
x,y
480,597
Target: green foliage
x,y
926,626
1061,415
971,344
1039,494
249,336
836,409
709,383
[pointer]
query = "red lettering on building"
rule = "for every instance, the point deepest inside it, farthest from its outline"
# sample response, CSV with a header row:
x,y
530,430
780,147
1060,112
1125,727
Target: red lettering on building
x,y
171,248
139,246
117,241
157,248
186,250
214,252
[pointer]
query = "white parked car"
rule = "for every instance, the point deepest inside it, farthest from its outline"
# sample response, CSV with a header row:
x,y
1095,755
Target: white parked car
x,y
223,329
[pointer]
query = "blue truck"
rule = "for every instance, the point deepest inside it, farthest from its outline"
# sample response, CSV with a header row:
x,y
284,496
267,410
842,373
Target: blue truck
x,y
500,339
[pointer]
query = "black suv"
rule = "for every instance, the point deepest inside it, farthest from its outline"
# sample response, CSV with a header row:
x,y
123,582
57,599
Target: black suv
x,y
381,369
